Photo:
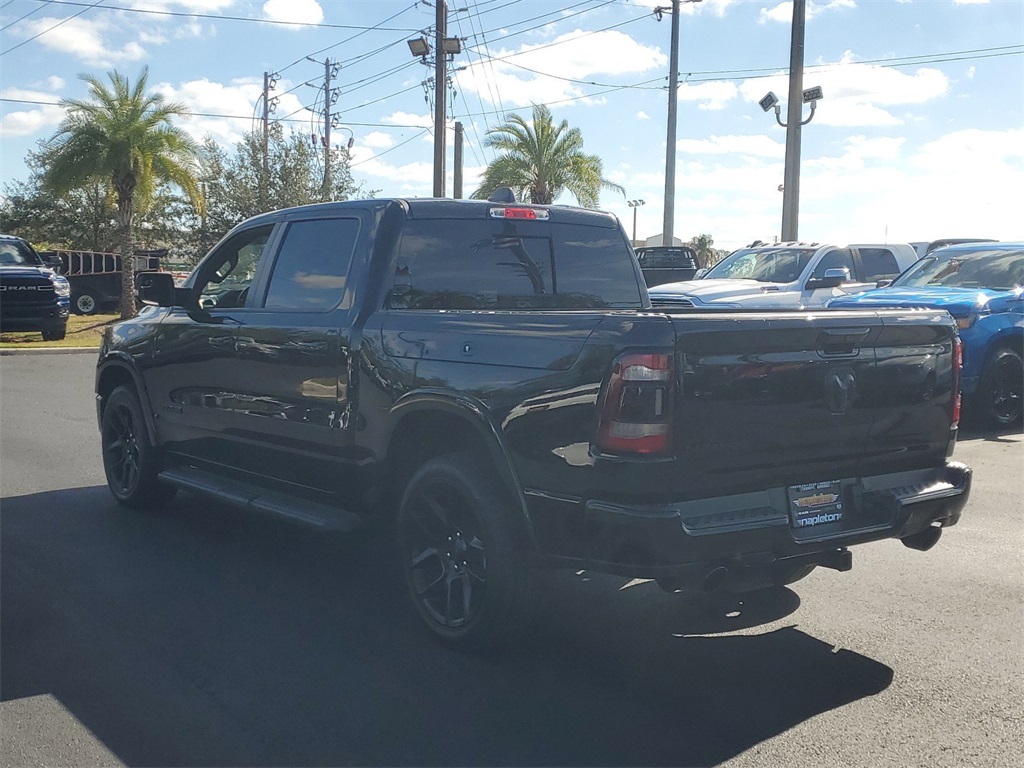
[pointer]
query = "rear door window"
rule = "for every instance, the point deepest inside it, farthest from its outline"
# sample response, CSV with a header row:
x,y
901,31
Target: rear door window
x,y
877,264
311,270
838,258
447,264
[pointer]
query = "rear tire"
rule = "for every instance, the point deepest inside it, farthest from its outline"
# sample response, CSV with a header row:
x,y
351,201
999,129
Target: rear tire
x,y
85,303
461,548
129,460
1001,390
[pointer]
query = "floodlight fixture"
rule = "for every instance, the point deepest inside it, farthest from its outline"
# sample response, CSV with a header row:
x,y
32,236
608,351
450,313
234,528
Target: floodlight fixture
x,y
419,47
452,45
811,95
769,101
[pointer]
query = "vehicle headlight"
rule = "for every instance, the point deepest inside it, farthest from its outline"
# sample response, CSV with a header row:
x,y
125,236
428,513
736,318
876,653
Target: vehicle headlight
x,y
61,286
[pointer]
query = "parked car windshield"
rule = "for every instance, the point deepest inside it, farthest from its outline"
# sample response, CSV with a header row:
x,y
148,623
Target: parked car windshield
x,y
984,268
15,254
782,265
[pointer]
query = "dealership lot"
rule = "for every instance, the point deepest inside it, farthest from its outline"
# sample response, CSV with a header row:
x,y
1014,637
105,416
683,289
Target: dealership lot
x,y
198,635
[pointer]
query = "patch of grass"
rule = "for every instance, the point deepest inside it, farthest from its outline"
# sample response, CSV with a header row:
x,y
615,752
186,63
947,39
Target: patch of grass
x,y
83,331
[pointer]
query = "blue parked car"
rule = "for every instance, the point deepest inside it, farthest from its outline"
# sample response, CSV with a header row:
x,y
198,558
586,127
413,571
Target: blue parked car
x,y
980,285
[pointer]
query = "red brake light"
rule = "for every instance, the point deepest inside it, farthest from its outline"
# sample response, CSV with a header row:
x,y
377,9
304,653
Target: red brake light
x,y
509,212
635,412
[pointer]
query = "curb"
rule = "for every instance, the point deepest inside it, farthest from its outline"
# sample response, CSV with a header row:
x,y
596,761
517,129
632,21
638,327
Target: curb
x,y
49,351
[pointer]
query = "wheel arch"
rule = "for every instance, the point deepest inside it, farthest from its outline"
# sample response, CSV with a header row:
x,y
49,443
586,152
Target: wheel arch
x,y
118,370
426,424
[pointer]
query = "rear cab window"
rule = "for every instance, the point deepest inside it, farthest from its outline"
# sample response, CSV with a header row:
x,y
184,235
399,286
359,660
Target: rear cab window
x,y
495,265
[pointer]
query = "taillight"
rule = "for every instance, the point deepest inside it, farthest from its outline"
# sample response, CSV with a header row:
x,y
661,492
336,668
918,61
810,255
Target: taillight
x,y
958,363
635,412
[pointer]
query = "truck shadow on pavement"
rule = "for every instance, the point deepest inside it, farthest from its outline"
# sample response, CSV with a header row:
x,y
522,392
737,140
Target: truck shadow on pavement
x,y
199,635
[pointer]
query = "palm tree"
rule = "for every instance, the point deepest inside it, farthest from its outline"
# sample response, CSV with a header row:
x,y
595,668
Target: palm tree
x,y
541,160
125,138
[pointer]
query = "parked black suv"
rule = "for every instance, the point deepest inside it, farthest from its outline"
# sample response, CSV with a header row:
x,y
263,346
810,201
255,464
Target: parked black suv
x,y
32,296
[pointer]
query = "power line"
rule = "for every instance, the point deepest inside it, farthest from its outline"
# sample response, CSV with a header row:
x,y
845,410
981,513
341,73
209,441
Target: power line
x,y
185,14
20,18
379,25
392,149
50,29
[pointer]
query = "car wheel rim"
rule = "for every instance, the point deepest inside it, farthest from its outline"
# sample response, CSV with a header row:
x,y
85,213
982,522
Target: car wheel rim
x,y
121,449
86,304
446,563
1007,394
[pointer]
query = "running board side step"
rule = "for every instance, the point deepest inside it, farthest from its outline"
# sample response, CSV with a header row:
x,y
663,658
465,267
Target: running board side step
x,y
258,499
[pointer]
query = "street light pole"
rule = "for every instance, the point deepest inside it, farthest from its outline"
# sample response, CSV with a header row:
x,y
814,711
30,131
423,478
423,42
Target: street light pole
x,y
668,220
440,92
634,204
791,177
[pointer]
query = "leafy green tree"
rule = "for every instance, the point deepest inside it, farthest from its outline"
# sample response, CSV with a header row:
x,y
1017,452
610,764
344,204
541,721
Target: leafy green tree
x,y
540,160
80,218
123,135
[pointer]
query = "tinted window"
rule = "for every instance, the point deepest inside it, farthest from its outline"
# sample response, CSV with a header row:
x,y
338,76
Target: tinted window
x,y
311,270
835,259
878,264
669,258
491,265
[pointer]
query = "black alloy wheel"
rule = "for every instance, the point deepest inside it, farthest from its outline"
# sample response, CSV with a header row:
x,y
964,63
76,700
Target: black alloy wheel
x,y
447,561
1002,388
460,551
129,461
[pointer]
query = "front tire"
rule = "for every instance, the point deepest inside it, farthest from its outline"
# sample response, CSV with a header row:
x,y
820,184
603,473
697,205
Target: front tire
x,y
1001,389
55,334
129,460
461,550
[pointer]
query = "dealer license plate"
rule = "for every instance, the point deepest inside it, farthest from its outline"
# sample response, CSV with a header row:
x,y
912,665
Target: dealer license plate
x,y
815,504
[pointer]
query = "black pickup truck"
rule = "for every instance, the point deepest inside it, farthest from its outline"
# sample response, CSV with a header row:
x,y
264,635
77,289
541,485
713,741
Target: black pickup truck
x,y
490,377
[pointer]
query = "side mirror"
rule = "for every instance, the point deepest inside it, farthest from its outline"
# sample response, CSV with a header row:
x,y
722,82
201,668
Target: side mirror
x,y
156,288
833,279
885,283
700,273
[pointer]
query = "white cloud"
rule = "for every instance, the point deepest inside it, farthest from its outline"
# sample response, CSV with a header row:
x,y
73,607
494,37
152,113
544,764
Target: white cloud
x,y
83,38
858,94
712,96
407,118
783,12
32,119
298,11
602,57
235,100
377,140
756,146
55,83
641,115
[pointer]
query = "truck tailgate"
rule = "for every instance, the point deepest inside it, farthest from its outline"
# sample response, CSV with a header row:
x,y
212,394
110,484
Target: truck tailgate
x,y
772,399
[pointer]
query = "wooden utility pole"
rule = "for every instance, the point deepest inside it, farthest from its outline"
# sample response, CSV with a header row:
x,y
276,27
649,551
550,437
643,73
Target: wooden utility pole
x,y
325,193
791,177
440,93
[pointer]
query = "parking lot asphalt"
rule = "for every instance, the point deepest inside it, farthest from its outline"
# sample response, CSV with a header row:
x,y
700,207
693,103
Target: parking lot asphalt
x,y
201,636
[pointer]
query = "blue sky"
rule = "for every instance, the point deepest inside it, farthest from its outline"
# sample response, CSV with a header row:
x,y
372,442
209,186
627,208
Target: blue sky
x,y
920,134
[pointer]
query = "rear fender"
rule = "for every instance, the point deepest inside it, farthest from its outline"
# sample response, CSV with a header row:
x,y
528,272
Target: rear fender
x,y
475,414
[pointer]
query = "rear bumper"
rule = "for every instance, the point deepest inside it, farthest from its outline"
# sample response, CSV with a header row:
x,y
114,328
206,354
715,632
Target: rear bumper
x,y
752,532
